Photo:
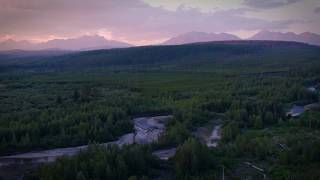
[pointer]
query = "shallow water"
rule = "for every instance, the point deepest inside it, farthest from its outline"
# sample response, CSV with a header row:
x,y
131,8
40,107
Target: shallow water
x,y
215,136
295,111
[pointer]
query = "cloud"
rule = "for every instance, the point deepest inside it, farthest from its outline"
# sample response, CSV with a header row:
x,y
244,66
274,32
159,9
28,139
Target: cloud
x,y
268,4
130,20
317,10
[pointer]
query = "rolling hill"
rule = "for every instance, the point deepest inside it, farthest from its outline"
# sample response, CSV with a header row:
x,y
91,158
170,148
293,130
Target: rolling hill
x,y
210,56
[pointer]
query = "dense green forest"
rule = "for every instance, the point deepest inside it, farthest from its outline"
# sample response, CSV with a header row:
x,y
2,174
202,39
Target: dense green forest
x,y
87,97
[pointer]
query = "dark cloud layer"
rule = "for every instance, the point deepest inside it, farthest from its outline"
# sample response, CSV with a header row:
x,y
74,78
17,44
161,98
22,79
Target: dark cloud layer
x,y
131,19
317,10
268,3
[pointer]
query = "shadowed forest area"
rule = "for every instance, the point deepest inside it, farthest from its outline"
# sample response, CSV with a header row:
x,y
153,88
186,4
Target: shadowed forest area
x,y
91,97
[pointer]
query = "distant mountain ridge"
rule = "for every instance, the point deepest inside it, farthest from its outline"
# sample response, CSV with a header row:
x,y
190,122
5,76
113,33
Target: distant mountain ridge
x,y
75,44
193,37
98,42
306,37
13,45
84,43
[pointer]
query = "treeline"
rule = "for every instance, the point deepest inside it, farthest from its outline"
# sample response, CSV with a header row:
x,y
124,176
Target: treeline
x,y
309,120
193,160
131,162
79,116
285,152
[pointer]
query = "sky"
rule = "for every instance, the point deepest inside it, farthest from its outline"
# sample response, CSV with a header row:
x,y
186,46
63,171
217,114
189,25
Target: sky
x,y
142,22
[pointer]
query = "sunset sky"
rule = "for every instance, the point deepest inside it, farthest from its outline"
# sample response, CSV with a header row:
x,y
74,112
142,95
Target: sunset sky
x,y
142,22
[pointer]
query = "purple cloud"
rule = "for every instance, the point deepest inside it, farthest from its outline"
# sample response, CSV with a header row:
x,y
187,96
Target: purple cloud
x,y
129,19
317,10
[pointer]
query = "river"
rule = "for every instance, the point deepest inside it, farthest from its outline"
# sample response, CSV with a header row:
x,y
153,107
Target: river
x,y
146,130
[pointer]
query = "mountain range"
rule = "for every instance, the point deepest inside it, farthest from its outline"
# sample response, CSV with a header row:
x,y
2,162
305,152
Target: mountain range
x,y
192,37
99,42
306,37
75,44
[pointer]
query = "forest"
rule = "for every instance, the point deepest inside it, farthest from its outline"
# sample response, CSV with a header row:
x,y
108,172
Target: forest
x,y
91,98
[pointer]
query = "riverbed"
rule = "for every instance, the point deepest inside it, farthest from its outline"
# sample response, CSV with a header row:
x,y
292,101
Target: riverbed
x,y
146,130
297,110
